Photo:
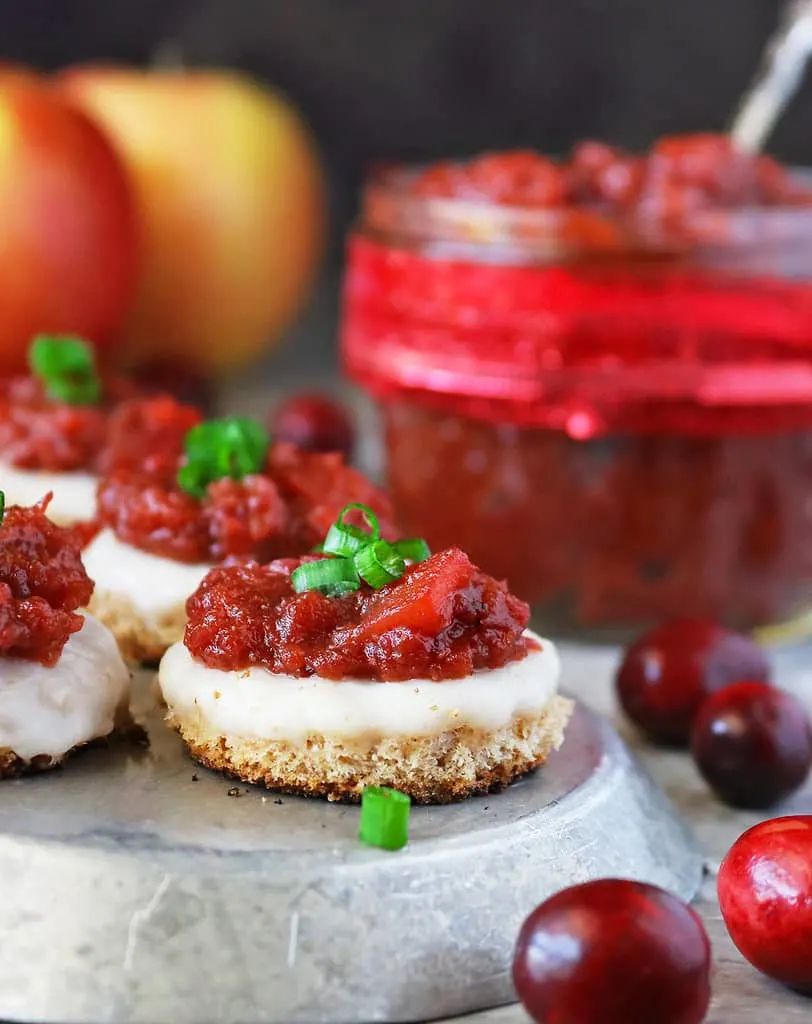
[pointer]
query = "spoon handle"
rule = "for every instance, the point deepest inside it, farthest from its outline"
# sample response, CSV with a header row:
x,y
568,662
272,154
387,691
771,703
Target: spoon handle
x,y
777,79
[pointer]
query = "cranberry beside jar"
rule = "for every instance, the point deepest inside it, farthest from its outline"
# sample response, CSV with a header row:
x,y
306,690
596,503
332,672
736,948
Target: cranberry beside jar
x,y
596,376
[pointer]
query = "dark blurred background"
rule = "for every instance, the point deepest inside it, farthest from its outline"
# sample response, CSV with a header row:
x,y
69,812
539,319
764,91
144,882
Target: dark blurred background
x,y
425,78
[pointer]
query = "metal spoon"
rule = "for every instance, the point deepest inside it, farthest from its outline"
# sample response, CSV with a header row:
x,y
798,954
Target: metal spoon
x,y
777,79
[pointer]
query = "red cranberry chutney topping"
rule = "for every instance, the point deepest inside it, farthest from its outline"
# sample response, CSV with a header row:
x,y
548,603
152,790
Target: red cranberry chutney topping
x,y
39,433
42,583
283,512
443,619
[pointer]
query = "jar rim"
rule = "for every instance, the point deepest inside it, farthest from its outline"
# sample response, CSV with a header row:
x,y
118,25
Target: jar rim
x,y
460,225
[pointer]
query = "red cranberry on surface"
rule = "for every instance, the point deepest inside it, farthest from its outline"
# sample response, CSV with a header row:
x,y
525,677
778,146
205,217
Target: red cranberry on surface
x,y
315,423
753,744
613,952
765,892
667,673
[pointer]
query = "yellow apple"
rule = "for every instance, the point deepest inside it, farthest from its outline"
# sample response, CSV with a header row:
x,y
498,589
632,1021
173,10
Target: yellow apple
x,y
232,208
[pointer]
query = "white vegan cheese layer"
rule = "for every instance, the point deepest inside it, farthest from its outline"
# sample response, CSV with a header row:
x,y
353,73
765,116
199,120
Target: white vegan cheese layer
x,y
74,494
154,586
49,710
257,703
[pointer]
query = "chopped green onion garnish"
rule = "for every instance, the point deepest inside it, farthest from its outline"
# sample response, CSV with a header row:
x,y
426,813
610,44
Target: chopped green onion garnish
x,y
231,448
412,549
57,356
201,441
194,478
331,576
243,447
2,505
384,818
368,515
339,589
67,369
379,564
345,539
363,553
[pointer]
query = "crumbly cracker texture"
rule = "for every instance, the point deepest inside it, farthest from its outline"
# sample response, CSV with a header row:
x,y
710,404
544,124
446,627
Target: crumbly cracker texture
x,y
438,769
141,642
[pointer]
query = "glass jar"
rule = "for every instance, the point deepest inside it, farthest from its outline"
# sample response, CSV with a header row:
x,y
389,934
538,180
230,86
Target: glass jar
x,y
612,414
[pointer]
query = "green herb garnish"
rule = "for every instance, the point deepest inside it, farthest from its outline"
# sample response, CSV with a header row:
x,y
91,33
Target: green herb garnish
x,y
2,506
344,539
360,554
234,447
412,549
378,563
384,818
332,576
66,366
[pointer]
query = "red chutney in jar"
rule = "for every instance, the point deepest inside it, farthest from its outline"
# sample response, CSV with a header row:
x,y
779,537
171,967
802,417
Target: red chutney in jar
x,y
596,375
42,584
284,511
39,433
676,176
443,619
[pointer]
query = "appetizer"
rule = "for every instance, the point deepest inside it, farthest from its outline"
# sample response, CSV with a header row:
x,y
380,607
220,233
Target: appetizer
x,y
182,495
63,682
374,664
53,427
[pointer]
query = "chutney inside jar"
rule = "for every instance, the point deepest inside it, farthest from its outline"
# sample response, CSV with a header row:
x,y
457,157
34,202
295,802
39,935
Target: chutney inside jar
x,y
614,532
606,399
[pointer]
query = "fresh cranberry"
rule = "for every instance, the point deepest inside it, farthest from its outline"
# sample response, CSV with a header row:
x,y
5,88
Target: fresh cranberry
x,y
765,892
613,952
753,744
667,673
315,423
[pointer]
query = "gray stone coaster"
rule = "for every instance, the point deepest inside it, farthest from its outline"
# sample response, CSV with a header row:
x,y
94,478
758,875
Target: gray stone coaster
x,y
137,887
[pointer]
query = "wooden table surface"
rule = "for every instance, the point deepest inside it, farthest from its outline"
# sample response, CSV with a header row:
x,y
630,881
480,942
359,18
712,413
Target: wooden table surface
x,y
740,994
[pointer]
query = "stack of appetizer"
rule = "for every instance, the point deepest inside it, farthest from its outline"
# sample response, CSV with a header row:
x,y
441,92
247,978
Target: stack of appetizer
x,y
304,646
63,681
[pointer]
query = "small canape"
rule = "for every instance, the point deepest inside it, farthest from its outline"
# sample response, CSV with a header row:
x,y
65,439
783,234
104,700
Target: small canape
x,y
379,665
53,427
183,495
63,682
